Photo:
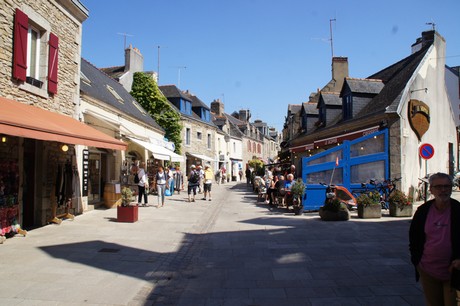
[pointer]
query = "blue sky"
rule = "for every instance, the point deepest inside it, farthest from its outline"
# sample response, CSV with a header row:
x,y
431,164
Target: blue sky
x,y
262,54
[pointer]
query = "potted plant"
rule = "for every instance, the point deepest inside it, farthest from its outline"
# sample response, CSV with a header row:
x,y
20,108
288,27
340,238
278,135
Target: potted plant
x,y
297,191
334,210
399,204
127,212
369,205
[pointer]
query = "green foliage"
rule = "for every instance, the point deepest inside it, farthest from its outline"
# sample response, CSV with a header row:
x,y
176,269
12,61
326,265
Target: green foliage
x,y
398,198
298,188
126,196
334,205
368,199
257,165
146,92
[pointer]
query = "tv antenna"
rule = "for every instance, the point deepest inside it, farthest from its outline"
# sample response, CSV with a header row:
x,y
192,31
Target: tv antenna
x,y
124,37
178,74
432,24
331,39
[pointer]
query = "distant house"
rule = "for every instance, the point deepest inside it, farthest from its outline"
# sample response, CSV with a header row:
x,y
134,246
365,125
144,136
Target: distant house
x,y
383,120
107,106
199,132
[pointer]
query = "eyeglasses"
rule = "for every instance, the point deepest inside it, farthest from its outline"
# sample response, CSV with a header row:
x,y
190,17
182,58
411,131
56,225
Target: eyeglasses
x,y
441,186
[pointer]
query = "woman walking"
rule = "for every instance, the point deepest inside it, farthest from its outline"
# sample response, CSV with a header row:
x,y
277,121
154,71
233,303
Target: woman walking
x,y
142,184
161,184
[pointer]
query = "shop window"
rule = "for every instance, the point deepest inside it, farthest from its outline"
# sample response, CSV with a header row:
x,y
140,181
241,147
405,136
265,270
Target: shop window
x,y
331,157
369,146
362,173
325,177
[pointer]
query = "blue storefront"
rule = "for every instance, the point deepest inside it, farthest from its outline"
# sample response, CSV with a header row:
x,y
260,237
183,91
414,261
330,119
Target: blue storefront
x,y
348,164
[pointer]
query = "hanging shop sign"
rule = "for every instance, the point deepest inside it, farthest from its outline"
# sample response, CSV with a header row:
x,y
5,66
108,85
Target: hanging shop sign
x,y
419,117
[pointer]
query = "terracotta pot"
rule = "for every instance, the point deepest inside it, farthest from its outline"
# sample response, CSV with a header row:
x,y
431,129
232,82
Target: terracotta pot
x,y
127,213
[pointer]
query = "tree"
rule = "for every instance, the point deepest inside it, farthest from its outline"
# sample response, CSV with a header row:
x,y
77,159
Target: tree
x,y
146,92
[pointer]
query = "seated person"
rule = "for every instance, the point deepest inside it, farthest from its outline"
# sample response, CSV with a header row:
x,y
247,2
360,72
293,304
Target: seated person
x,y
287,187
280,191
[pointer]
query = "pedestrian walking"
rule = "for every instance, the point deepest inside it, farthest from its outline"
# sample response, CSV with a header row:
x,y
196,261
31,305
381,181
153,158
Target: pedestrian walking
x,y
193,182
434,243
200,184
248,175
178,180
161,182
142,184
208,176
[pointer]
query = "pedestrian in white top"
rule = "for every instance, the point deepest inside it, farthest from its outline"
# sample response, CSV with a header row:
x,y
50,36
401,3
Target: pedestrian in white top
x,y
161,182
142,184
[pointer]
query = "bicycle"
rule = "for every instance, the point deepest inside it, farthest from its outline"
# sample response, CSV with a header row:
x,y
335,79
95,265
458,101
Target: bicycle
x,y
422,192
376,187
386,188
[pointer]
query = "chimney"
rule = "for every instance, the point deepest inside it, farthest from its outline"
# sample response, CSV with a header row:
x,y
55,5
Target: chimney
x,y
134,61
244,115
339,72
426,39
217,107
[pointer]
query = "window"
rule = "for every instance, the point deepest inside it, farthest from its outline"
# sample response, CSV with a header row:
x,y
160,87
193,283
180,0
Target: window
x,y
234,147
187,136
199,135
114,93
209,141
30,52
205,115
347,107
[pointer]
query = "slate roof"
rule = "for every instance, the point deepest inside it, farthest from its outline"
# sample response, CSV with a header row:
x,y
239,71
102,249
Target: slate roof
x,y
294,108
367,86
97,89
331,98
395,78
172,92
310,108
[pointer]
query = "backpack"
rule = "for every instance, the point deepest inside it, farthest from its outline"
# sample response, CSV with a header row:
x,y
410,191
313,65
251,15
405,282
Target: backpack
x,y
136,178
195,177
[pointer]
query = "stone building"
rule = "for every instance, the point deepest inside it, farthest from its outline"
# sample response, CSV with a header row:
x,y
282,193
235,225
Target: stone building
x,y
382,122
44,144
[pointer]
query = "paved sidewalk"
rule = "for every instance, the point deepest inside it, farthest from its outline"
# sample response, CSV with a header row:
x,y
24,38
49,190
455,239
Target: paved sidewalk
x,y
232,250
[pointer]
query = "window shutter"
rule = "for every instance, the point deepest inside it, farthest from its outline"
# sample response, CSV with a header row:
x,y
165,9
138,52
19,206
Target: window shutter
x,y
21,26
53,63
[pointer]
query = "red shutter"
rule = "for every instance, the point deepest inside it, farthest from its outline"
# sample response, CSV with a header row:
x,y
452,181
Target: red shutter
x,y
53,63
21,27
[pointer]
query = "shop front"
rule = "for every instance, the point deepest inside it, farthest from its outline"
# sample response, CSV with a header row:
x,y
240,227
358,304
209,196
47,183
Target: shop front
x,y
43,165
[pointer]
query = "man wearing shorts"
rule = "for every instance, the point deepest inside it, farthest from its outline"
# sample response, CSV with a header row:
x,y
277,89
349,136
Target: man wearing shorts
x,y
208,177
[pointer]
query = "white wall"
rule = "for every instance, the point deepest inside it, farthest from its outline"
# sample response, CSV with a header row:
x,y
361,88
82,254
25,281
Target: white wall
x,y
442,130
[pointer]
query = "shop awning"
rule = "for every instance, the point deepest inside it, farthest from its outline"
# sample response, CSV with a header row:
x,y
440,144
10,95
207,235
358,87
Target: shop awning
x,y
201,156
22,120
158,152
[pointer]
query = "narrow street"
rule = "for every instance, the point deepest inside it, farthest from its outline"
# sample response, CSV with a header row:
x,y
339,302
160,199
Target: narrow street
x,y
232,250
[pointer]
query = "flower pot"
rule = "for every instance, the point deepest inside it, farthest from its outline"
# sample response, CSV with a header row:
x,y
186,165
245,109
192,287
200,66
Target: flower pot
x,y
127,213
369,211
328,215
397,210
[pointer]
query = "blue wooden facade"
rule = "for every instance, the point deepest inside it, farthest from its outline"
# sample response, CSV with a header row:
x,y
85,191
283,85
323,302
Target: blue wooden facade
x,y
359,160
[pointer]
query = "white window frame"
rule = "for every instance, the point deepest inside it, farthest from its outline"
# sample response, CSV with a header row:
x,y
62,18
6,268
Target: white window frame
x,y
188,132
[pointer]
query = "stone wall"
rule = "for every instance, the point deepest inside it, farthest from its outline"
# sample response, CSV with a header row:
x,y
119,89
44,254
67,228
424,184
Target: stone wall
x,y
68,31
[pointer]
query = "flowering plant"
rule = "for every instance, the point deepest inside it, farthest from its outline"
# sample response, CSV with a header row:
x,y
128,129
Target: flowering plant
x,y
398,198
369,199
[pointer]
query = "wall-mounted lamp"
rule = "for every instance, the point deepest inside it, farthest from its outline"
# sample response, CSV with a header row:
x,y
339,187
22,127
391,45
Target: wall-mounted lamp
x,y
65,148
3,138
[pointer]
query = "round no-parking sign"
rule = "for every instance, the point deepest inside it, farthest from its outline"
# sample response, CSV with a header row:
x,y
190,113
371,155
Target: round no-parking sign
x,y
426,151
